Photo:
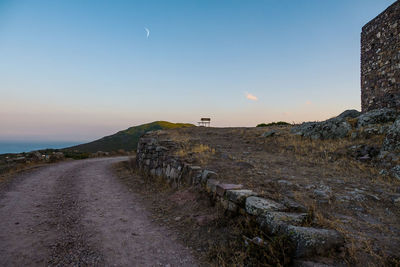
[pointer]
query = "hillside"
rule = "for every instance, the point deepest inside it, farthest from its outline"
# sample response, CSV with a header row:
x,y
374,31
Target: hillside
x,y
126,139
339,173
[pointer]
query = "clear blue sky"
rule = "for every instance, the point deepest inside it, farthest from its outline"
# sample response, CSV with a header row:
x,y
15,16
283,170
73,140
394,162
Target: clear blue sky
x,y
78,70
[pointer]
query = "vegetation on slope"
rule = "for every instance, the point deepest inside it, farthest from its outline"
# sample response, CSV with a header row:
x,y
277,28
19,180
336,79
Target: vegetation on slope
x,y
273,124
127,139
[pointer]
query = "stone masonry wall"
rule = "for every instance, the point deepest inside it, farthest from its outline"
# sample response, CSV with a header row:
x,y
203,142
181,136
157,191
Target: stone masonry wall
x,y
155,158
380,61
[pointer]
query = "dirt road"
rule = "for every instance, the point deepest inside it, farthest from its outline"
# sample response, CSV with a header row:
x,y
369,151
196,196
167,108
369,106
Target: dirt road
x,y
78,213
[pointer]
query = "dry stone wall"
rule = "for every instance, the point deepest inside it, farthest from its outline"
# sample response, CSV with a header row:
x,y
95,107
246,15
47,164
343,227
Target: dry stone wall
x,y
155,158
380,61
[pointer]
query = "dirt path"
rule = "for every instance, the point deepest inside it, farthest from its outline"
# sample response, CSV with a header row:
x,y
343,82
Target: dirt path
x,y
77,213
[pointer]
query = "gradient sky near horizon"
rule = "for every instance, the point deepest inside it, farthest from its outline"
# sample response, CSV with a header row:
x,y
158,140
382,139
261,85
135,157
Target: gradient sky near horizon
x,y
78,70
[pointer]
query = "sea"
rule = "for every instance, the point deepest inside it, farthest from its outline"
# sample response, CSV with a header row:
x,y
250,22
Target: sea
x,y
26,146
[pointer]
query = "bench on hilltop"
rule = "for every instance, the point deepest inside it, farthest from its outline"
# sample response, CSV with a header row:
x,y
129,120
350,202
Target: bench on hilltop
x,y
205,122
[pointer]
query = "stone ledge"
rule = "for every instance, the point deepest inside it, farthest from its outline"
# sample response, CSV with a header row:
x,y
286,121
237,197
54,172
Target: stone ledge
x,y
271,216
258,206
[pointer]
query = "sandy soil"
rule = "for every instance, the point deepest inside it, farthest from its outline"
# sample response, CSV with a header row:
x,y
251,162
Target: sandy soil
x,y
78,213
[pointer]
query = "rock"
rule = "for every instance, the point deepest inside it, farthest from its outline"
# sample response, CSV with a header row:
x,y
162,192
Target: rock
x,y
334,128
269,133
256,241
161,148
373,130
293,205
211,185
310,241
284,182
239,196
193,174
221,188
354,135
258,206
349,114
304,128
376,116
396,201
277,222
363,151
395,172
392,139
383,172
228,205
208,175
321,194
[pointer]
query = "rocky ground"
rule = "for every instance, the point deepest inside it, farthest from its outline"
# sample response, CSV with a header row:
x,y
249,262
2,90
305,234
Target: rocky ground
x,y
77,213
343,171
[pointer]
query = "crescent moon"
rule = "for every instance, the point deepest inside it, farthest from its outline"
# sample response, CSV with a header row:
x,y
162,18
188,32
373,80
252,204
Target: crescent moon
x,y
147,32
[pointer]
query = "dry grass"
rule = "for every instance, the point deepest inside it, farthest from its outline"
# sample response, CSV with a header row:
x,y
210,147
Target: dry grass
x,y
221,240
358,200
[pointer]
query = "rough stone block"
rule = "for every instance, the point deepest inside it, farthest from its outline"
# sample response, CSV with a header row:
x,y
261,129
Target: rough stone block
x,y
312,241
208,175
159,172
194,174
228,205
239,196
293,205
221,188
211,185
258,206
277,222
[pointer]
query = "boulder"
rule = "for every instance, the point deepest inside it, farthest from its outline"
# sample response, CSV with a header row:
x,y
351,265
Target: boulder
x,y
258,206
293,205
277,222
349,114
269,133
310,241
334,128
208,175
362,151
395,172
376,116
239,196
392,139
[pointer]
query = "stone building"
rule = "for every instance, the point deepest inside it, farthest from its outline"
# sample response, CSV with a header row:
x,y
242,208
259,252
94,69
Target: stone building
x,y
380,60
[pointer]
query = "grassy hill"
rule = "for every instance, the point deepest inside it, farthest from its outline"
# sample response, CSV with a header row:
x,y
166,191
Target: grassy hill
x,y
127,139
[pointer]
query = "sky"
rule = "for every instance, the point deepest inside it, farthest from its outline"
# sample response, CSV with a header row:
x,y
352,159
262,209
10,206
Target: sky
x,y
78,70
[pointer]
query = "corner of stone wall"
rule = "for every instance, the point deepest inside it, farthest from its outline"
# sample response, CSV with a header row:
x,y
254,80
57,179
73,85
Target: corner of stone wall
x,y
155,158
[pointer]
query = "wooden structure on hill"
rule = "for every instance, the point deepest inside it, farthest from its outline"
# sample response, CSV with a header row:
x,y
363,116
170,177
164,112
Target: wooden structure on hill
x,y
205,122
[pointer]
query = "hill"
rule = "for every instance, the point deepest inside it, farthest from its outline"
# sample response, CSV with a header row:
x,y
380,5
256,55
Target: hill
x,y
126,139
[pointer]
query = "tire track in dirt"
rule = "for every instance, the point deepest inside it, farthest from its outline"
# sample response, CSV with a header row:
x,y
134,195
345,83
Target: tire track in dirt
x,y
77,214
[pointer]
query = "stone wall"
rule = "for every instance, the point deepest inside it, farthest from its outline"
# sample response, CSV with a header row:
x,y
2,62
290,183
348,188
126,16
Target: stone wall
x,y
380,61
156,158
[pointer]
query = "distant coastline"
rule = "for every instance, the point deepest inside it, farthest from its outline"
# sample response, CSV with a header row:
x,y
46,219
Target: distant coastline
x,y
27,146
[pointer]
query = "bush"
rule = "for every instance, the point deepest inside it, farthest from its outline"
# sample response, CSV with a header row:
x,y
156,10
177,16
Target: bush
x,y
273,124
76,155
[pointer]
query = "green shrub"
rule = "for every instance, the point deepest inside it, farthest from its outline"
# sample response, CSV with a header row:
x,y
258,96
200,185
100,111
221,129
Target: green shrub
x,y
76,155
273,124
